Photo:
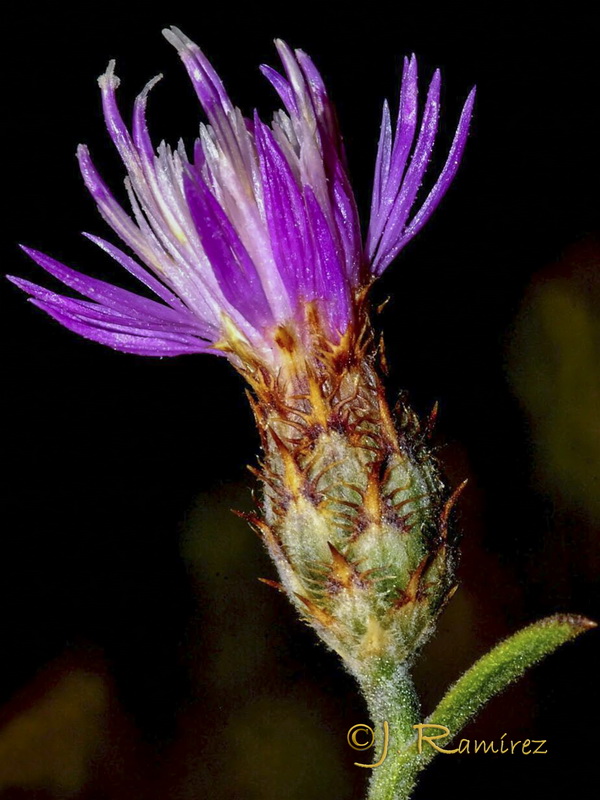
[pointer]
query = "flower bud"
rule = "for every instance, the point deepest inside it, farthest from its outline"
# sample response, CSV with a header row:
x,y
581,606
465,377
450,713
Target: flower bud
x,y
354,510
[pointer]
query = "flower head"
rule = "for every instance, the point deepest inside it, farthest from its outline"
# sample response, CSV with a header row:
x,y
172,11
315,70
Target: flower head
x,y
253,250
252,241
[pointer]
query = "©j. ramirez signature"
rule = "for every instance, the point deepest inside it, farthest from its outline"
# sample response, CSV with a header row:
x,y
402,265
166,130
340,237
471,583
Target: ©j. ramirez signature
x,y
362,737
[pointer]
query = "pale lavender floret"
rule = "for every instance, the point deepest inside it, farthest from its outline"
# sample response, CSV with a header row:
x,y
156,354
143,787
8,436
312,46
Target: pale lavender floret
x,y
165,236
285,214
119,318
315,139
233,266
229,164
261,222
138,272
394,150
288,161
413,175
328,274
447,174
396,185
305,88
281,86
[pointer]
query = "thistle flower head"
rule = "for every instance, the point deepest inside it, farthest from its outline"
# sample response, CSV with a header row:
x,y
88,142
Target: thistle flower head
x,y
252,247
251,241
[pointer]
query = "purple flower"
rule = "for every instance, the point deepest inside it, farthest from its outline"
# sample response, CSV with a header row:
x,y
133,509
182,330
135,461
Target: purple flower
x,y
257,232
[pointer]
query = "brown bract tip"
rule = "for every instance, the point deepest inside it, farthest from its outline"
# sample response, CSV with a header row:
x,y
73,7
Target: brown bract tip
x,y
578,623
272,584
318,614
450,503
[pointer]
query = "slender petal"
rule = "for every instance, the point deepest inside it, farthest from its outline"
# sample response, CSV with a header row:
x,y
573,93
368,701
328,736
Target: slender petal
x,y
399,174
233,266
448,172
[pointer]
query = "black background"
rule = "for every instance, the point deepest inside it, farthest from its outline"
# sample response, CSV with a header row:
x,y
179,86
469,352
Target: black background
x,y
105,453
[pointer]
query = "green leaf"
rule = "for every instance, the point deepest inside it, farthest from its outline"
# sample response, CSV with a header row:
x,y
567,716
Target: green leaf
x,y
395,779
500,667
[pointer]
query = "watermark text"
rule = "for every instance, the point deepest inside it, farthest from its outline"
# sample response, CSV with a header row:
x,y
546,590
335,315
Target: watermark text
x,y
429,734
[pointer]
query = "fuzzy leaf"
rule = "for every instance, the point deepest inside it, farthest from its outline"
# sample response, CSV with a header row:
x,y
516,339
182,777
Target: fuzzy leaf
x,y
496,670
502,666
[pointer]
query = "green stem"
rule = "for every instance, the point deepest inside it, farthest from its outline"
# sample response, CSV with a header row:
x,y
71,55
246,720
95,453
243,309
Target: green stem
x,y
393,704
392,699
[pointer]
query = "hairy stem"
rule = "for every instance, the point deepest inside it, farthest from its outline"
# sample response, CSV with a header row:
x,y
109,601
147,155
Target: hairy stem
x,y
391,698
393,705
